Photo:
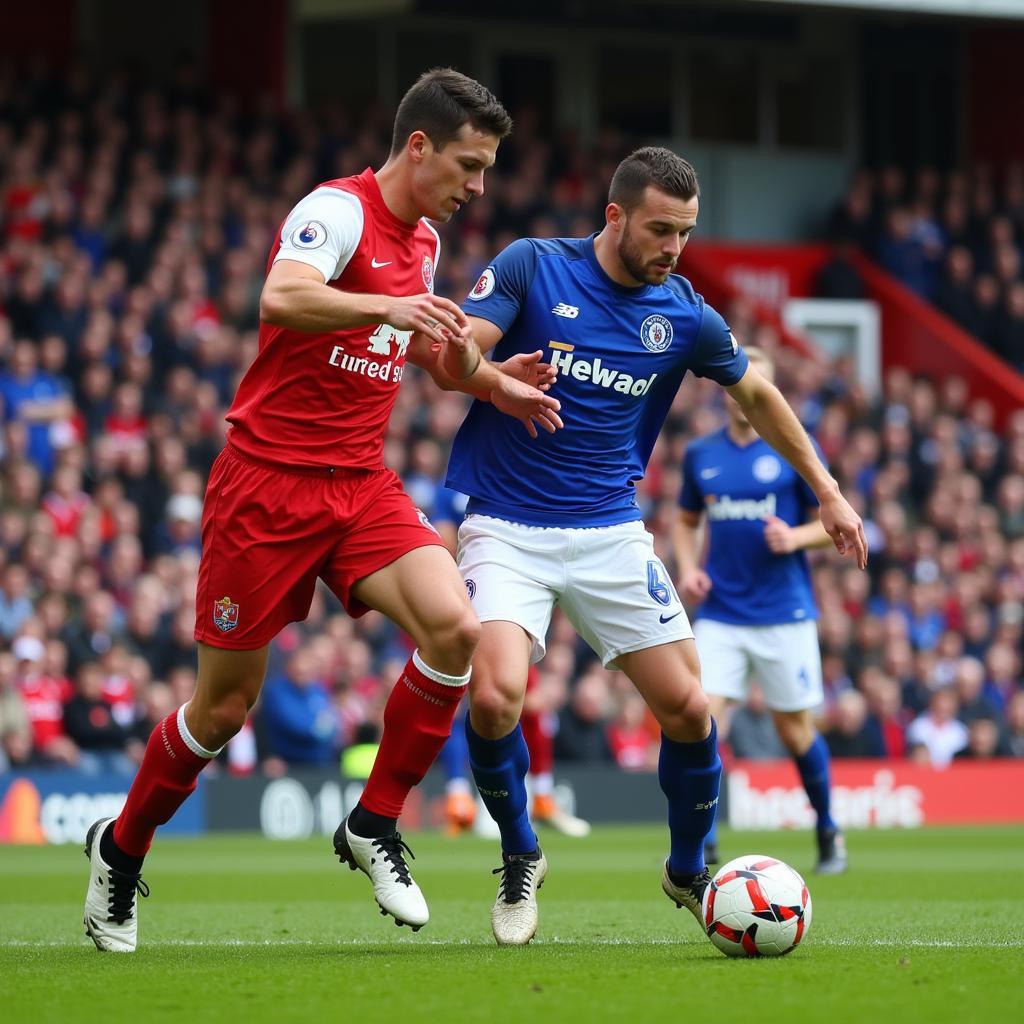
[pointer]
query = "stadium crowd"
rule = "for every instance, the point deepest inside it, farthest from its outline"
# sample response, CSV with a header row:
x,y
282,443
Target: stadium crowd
x,y
134,230
956,240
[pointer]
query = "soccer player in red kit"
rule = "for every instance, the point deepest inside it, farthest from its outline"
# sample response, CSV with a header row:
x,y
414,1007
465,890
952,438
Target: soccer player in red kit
x,y
301,491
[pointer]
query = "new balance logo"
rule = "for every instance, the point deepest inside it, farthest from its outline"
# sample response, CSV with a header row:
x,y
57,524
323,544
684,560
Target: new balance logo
x,y
564,309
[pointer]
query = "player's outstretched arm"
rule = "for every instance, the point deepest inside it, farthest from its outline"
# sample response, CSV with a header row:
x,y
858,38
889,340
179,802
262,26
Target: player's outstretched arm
x,y
771,416
515,387
783,539
296,296
694,582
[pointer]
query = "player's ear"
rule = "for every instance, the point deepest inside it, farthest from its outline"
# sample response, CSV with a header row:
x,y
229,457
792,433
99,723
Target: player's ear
x,y
615,215
418,146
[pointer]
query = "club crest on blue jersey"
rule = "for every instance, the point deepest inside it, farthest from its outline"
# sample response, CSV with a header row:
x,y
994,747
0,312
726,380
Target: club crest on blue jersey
x,y
484,286
311,235
656,333
766,468
225,614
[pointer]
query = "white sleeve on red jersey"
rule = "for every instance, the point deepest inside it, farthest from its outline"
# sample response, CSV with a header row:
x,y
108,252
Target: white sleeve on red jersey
x,y
323,231
437,252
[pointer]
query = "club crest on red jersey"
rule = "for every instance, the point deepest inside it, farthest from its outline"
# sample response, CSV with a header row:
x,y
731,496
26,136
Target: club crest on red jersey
x,y
428,273
225,614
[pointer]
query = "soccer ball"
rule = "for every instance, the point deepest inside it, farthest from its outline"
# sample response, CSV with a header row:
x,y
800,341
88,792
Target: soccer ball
x,y
756,906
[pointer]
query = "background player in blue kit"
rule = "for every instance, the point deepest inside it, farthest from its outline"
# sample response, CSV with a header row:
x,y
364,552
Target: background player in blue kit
x,y
757,614
555,518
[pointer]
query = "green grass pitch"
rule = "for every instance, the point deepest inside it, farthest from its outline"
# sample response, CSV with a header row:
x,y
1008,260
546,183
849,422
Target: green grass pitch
x,y
927,926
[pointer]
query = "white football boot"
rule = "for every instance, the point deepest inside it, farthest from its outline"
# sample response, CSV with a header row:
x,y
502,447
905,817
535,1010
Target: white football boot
x,y
689,896
383,861
514,914
110,899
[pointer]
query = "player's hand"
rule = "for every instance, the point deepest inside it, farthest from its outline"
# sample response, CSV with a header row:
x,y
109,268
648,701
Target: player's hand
x,y
459,354
527,367
845,528
426,313
528,405
696,585
778,535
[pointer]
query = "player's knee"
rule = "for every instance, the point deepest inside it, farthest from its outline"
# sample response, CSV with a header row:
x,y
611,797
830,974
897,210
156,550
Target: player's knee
x,y
459,636
684,717
494,707
225,718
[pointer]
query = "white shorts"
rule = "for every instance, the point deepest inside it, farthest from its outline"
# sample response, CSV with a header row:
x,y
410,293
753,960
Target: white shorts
x,y
609,582
785,660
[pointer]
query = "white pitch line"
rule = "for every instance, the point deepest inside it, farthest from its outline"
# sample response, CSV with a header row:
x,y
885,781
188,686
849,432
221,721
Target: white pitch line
x,y
893,943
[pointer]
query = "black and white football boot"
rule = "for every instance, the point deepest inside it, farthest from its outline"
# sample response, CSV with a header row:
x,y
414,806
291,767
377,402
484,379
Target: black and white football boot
x,y
110,919
383,860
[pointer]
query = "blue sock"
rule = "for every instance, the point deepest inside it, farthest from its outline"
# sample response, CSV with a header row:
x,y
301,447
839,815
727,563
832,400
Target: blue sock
x,y
813,766
690,775
499,769
454,756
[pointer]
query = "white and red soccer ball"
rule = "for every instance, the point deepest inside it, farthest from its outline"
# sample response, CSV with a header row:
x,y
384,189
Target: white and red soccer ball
x,y
756,906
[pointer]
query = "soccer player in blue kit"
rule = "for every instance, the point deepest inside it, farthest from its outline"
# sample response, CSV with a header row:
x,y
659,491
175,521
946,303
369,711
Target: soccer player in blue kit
x,y
555,519
757,611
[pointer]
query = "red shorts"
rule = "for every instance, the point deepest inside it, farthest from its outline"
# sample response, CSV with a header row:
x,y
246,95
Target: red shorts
x,y
269,531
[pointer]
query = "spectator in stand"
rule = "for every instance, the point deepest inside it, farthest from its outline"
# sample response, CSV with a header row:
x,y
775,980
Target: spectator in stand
x,y
756,738
298,713
1015,725
581,732
850,734
90,723
632,742
34,397
937,736
983,741
15,727
969,684
15,603
44,699
885,713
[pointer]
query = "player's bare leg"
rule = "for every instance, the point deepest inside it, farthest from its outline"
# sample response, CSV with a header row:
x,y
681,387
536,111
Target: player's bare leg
x,y
227,686
500,761
424,594
689,768
807,748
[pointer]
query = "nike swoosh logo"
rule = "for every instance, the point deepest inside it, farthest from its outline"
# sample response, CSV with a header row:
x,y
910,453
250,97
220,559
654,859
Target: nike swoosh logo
x,y
707,474
377,266
668,618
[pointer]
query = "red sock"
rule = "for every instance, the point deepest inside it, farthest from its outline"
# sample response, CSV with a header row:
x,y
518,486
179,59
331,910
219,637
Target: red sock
x,y
539,742
164,781
417,721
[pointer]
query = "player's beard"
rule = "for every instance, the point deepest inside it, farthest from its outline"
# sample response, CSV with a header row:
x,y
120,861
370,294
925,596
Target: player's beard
x,y
632,259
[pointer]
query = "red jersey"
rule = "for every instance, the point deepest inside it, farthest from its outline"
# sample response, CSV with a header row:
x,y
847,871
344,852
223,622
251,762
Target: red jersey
x,y
325,399
44,699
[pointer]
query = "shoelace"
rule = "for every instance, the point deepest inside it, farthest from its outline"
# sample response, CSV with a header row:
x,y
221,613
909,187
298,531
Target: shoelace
x,y
391,848
516,874
122,889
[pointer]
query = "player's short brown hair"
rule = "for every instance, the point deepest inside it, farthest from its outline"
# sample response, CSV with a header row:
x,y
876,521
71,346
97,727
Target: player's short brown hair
x,y
654,166
440,102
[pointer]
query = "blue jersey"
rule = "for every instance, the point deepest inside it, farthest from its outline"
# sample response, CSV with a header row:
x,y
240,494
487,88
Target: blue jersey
x,y
621,354
738,488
